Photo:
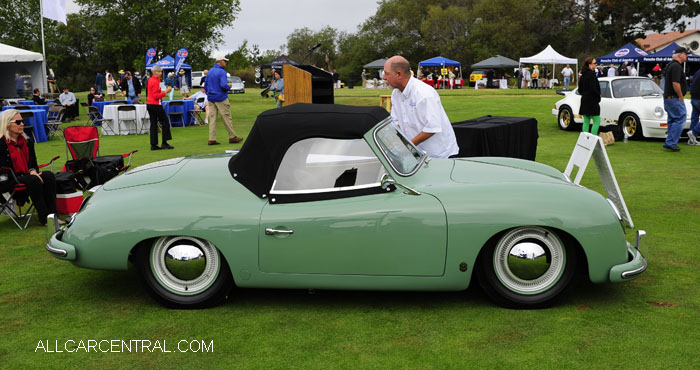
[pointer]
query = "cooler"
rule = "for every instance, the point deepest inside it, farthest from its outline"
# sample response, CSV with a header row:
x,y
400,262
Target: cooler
x,y
69,203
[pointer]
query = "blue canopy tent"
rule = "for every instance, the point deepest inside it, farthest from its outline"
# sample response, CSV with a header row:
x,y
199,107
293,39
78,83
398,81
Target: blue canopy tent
x,y
441,62
168,65
666,55
628,53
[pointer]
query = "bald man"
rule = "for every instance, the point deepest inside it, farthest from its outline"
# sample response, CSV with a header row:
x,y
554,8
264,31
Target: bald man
x,y
417,110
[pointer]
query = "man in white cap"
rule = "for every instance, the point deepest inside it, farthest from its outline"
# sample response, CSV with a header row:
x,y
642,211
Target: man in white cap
x,y
217,87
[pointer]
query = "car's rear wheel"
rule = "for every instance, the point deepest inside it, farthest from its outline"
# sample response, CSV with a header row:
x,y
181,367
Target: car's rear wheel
x,y
631,126
527,267
184,272
566,119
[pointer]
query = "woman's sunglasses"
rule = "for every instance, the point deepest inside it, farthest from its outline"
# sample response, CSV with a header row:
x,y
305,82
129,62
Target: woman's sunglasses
x,y
17,121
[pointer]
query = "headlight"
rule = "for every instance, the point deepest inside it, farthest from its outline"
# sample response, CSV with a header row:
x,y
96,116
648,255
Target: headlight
x,y
658,112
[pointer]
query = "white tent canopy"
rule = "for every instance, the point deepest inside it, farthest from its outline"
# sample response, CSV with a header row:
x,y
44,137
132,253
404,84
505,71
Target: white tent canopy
x,y
15,60
550,56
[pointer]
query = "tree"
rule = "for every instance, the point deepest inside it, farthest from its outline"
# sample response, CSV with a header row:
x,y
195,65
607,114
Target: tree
x,y
127,28
624,20
301,41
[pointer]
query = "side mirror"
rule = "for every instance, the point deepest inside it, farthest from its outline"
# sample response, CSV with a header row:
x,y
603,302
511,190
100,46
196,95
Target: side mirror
x,y
387,181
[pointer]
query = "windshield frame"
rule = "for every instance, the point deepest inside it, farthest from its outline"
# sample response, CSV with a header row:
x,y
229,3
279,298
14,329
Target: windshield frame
x,y
382,149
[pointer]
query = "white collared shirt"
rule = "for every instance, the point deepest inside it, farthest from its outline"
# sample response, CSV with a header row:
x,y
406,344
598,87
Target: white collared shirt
x,y
418,109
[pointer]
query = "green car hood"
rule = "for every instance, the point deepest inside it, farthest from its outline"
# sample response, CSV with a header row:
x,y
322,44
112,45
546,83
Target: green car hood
x,y
153,173
486,170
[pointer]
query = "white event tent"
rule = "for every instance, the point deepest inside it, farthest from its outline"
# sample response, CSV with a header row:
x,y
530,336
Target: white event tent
x,y
550,56
15,60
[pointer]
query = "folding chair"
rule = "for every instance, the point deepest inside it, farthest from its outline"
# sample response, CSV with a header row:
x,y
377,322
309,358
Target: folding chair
x,y
95,118
196,113
14,196
28,128
126,109
89,168
54,110
180,116
53,125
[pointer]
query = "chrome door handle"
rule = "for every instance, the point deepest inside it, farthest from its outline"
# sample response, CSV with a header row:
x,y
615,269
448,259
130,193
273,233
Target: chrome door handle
x,y
271,231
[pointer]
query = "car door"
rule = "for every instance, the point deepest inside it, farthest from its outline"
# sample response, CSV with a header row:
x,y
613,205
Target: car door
x,y
609,106
353,228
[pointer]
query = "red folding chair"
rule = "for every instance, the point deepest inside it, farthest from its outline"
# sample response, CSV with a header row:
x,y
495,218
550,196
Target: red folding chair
x,y
14,196
88,167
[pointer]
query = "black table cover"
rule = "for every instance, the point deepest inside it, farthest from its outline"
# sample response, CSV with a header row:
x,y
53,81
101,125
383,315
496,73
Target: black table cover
x,y
497,136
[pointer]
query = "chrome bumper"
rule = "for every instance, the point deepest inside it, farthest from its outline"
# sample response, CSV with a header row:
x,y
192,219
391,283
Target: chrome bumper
x,y
637,263
56,247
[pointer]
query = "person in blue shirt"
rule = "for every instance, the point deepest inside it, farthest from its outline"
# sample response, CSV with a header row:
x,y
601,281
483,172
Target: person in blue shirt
x,y
694,131
217,87
99,82
19,85
170,82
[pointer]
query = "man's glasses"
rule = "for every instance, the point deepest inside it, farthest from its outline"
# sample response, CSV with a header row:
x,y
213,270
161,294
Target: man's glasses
x,y
17,121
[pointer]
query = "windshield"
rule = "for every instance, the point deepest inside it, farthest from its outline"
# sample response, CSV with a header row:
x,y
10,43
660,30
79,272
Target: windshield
x,y
235,79
402,155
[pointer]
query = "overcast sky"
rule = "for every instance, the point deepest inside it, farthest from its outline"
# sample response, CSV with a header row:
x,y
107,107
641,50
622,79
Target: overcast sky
x,y
268,24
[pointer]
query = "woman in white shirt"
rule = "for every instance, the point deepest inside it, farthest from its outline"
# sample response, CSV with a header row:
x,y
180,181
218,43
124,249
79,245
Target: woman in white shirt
x,y
111,87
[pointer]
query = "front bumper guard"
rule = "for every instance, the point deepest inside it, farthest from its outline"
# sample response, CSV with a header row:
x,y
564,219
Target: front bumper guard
x,y
637,263
56,247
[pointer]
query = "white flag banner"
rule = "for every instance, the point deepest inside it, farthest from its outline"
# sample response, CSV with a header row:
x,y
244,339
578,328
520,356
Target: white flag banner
x,y
55,9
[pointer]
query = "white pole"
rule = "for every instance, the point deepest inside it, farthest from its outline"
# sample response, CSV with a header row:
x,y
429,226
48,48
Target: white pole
x,y
43,48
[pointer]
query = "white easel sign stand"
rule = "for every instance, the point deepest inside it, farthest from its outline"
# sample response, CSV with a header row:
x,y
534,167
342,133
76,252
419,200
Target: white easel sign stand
x,y
591,145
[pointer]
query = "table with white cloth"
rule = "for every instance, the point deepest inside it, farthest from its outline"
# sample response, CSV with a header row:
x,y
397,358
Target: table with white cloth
x,y
102,104
503,83
109,125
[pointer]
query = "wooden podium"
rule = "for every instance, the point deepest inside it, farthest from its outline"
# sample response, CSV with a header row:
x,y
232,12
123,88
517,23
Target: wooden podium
x,y
307,84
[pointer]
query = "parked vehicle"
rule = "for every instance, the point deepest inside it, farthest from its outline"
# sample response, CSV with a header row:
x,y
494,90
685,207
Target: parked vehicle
x,y
197,78
237,85
343,200
635,103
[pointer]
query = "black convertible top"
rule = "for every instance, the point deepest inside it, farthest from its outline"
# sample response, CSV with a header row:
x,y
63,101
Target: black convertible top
x,y
276,130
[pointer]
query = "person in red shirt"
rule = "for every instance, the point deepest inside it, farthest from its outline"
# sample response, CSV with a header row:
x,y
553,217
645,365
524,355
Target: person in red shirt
x,y
156,111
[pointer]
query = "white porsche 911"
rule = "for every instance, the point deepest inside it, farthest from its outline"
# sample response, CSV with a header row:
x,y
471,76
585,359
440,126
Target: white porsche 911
x,y
635,103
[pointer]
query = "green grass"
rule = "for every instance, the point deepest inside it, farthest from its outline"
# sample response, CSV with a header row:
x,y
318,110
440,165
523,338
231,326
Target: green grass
x,y
650,322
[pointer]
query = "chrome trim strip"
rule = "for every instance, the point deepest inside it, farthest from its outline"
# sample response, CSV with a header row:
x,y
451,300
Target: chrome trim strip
x,y
326,190
633,273
56,251
381,149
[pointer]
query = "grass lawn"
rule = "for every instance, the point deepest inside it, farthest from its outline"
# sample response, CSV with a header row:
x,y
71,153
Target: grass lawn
x,y
650,322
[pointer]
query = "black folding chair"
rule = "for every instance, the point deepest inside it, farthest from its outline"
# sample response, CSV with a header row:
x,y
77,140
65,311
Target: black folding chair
x,y
124,109
53,126
180,116
28,128
196,112
95,118
14,196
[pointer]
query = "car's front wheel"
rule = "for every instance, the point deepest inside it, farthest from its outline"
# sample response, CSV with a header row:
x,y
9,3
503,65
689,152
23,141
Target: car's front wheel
x,y
184,272
631,126
527,267
566,119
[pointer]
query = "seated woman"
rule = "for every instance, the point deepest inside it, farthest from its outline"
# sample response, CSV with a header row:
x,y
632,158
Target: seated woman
x,y
17,152
93,96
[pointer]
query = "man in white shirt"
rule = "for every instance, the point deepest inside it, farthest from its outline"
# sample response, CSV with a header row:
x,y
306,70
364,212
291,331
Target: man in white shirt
x,y
418,112
611,71
68,101
567,72
633,71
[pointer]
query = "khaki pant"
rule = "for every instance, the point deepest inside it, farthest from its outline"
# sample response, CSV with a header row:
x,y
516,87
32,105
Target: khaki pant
x,y
225,108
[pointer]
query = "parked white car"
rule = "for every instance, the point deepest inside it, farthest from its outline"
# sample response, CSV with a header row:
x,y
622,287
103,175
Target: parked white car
x,y
237,85
635,103
197,78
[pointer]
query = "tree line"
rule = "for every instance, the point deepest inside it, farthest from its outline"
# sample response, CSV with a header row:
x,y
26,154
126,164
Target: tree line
x,y
114,34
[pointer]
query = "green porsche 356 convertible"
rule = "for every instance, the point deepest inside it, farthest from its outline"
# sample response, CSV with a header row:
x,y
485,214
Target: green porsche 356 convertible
x,y
334,197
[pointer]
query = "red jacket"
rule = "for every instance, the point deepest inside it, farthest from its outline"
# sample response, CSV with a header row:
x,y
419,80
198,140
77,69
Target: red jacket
x,y
154,93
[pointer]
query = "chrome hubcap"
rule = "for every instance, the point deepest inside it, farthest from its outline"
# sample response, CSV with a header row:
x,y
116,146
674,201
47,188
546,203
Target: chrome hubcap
x,y
184,265
529,260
